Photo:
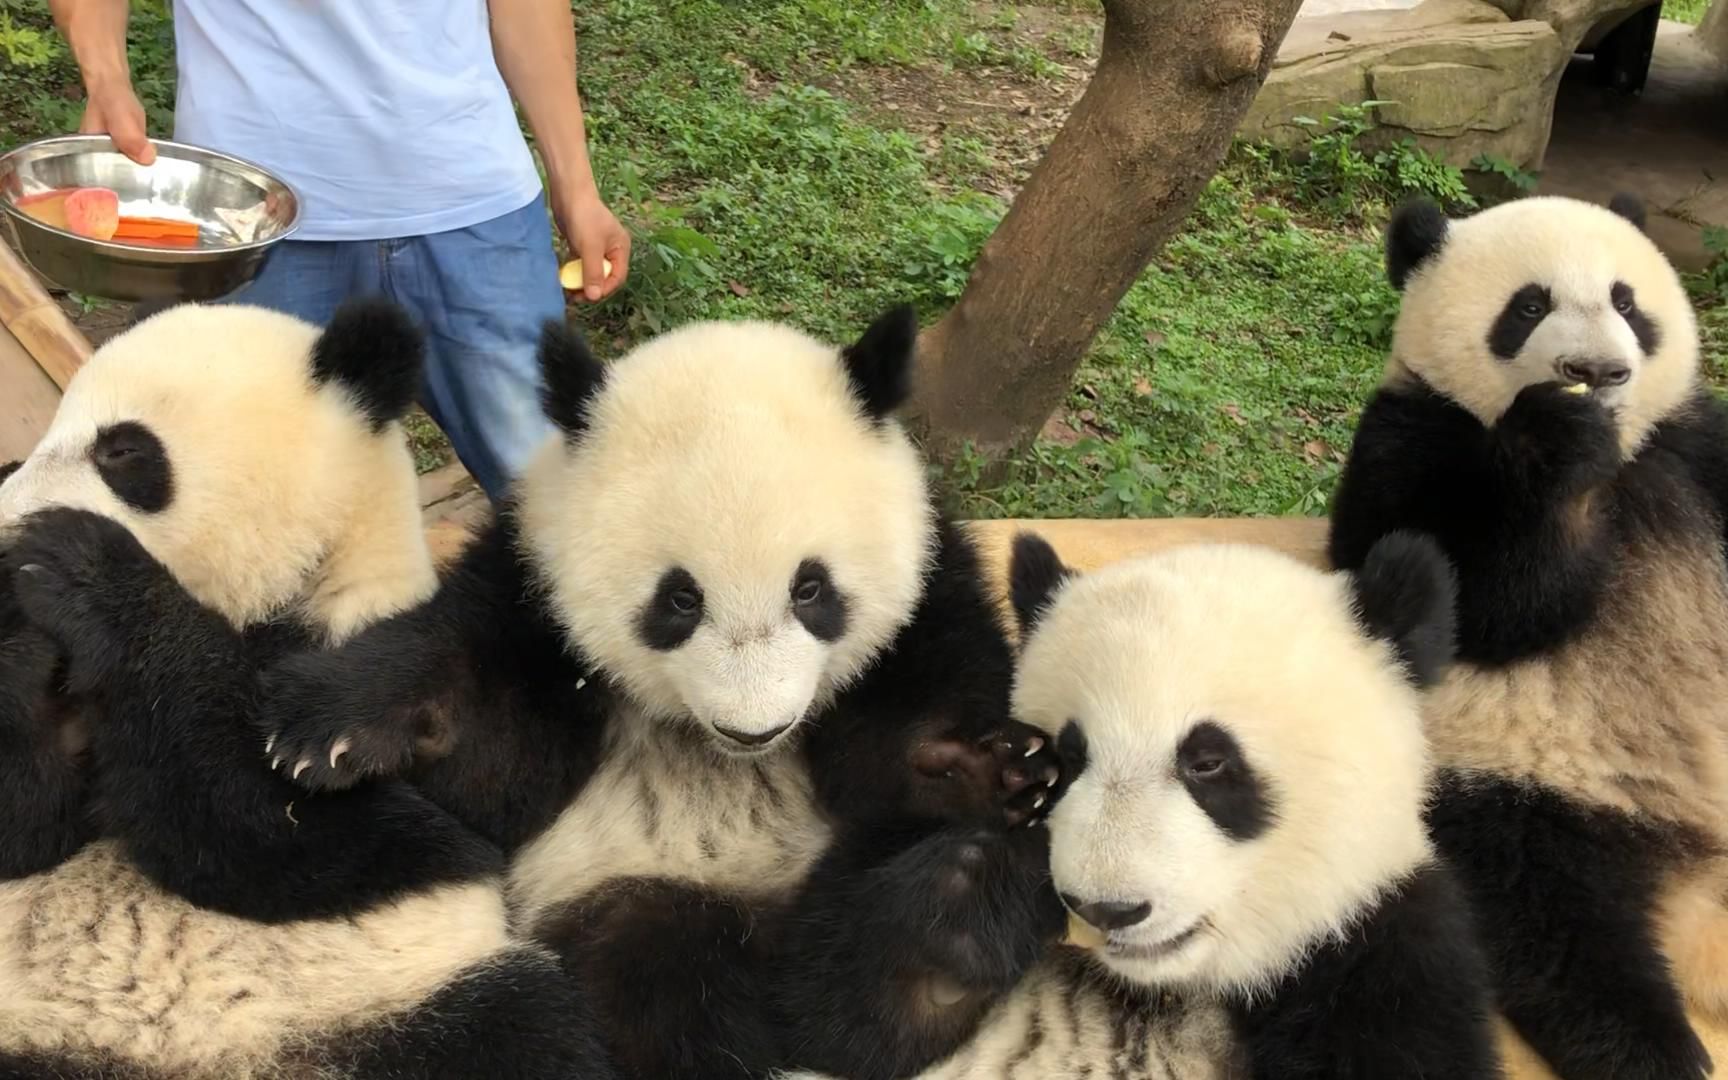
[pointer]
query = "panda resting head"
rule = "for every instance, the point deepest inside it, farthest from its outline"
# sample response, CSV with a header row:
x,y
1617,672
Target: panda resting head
x,y
255,456
1244,760
1542,290
731,525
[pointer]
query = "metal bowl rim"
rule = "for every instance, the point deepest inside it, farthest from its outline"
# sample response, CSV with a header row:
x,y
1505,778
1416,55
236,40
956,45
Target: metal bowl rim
x,y
112,248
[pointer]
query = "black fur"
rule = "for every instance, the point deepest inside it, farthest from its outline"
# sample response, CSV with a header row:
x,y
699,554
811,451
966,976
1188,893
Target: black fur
x,y
1537,515
817,602
880,362
672,613
1417,232
43,780
476,697
570,376
1035,572
522,1020
1630,207
965,911
1404,996
181,783
1565,893
1072,751
134,464
372,349
1518,319
8,469
1644,328
1405,594
1222,782
1502,503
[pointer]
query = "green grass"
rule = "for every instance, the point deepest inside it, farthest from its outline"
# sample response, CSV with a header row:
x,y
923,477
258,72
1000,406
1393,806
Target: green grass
x,y
1227,383
1686,11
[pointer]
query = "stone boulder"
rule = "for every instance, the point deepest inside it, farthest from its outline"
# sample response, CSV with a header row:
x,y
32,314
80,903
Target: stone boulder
x,y
1463,77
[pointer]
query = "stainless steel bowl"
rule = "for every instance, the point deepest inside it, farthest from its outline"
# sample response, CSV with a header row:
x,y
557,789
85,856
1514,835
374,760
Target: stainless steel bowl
x,y
223,194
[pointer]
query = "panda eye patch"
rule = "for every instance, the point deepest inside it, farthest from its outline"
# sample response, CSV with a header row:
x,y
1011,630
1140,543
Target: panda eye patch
x,y
672,613
1523,312
134,464
1210,764
817,602
1621,296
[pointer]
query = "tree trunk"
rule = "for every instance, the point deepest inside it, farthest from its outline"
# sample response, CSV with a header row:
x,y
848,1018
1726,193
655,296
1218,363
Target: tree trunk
x,y
1172,83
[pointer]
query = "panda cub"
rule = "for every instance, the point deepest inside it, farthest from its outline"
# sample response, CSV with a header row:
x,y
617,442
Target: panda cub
x,y
1543,418
1238,834
219,485
719,653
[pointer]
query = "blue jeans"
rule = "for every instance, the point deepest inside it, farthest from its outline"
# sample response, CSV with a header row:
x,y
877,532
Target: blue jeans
x,y
481,294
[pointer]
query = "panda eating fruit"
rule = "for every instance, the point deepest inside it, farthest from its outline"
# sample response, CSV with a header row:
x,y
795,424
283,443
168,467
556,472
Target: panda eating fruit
x,y
218,485
719,653
1543,418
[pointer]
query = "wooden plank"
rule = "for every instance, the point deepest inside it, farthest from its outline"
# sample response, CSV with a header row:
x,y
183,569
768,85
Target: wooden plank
x,y
28,398
36,321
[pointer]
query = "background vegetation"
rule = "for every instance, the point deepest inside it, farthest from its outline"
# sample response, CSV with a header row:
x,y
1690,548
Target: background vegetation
x,y
817,160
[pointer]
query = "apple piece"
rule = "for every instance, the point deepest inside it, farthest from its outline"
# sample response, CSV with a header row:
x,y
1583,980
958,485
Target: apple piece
x,y
570,276
1083,934
48,207
93,212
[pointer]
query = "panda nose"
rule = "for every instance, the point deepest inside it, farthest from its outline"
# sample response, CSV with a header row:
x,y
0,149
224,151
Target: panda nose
x,y
1109,914
752,738
1596,373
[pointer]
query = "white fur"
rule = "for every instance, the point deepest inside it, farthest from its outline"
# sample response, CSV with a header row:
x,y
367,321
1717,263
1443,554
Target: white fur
x,y
1139,653
96,960
1578,251
283,495
734,451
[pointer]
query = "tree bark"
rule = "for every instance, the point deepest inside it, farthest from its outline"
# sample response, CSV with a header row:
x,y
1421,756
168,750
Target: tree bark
x,y
1172,84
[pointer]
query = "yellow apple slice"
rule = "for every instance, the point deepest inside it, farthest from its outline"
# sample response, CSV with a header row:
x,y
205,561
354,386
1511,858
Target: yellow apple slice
x,y
570,276
1578,388
1083,933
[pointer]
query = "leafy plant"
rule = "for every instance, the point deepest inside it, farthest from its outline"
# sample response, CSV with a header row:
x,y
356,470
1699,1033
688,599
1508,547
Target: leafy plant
x,y
950,235
1521,180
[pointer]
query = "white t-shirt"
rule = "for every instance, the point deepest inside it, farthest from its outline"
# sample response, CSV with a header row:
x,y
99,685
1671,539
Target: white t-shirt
x,y
388,117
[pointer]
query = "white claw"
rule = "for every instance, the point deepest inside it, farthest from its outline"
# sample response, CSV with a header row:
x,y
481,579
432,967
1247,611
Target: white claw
x,y
338,750
270,744
276,762
1040,800
305,763
1033,745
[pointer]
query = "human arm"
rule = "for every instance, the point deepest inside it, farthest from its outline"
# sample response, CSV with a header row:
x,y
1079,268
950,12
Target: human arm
x,y
535,46
96,30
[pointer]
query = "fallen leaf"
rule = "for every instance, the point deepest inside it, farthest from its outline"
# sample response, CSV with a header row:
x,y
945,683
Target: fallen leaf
x,y
1314,449
738,288
1058,430
1143,386
1154,338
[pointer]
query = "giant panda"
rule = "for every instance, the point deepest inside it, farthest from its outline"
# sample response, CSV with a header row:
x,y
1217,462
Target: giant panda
x,y
220,484
1542,417
719,652
1238,832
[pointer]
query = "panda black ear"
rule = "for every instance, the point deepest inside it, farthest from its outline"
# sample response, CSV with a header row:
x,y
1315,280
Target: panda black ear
x,y
8,469
1417,231
570,376
373,350
1406,594
1630,207
1035,572
879,364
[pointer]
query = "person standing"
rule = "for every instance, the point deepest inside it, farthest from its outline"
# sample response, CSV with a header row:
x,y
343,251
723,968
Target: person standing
x,y
393,120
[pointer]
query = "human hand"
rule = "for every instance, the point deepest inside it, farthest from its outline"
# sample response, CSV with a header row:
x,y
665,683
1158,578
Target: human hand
x,y
597,237
113,109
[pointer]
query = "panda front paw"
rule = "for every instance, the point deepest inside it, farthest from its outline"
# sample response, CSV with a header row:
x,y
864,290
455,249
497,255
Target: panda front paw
x,y
971,910
327,734
82,579
1009,776
1552,436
